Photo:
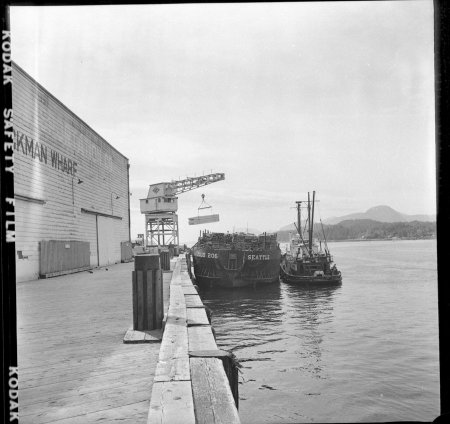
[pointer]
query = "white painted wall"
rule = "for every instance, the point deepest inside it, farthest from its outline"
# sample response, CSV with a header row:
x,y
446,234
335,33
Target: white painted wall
x,y
40,119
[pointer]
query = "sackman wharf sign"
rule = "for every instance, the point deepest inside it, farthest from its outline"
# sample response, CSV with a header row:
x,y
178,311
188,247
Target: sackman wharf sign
x,y
42,153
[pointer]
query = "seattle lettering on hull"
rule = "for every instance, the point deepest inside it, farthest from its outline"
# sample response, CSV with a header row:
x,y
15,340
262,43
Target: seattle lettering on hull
x,y
30,147
258,257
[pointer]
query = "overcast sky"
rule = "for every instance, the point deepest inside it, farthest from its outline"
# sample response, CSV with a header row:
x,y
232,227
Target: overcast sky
x,y
283,98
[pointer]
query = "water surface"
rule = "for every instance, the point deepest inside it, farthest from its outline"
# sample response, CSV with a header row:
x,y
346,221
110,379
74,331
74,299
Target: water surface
x,y
363,351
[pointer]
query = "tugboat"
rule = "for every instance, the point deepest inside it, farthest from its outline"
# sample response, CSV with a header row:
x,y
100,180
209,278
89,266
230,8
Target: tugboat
x,y
236,260
306,262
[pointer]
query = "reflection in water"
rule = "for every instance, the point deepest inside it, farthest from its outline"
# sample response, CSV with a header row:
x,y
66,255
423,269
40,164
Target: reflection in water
x,y
281,316
251,317
309,313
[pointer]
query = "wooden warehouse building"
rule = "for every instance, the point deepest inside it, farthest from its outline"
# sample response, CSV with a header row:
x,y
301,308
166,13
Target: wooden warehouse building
x,y
71,188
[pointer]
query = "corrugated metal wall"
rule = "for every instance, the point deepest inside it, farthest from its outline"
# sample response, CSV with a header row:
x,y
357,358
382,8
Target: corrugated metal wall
x,y
54,151
56,256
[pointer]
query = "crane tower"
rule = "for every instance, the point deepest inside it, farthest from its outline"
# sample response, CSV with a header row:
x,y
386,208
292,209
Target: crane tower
x,y
161,205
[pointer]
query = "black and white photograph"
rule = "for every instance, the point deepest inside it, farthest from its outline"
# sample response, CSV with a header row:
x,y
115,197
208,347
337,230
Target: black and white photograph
x,y
223,212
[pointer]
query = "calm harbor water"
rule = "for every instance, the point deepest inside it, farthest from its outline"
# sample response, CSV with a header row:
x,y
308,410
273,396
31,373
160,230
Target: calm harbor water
x,y
364,351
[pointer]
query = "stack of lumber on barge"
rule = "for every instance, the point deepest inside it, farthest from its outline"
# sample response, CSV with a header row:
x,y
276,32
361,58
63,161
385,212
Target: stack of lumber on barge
x,y
191,385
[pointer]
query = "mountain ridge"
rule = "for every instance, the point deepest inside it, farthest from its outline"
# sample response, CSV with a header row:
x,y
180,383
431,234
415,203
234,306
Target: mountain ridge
x,y
380,213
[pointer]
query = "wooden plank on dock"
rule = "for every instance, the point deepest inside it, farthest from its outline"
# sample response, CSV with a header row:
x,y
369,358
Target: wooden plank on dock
x,y
174,343
176,315
173,369
185,279
173,361
147,336
213,400
201,338
171,403
196,316
189,289
193,301
176,296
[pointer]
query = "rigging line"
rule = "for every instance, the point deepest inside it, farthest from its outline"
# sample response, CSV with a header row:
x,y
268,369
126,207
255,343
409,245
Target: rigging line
x,y
323,231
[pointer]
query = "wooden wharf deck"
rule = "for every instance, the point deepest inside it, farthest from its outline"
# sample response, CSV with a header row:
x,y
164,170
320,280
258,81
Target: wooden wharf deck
x,y
75,368
190,385
73,364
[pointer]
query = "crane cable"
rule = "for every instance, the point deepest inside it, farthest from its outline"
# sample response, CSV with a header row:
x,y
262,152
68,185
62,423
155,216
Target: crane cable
x,y
203,207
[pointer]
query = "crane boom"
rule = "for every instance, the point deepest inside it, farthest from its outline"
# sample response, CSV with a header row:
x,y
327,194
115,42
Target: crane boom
x,y
190,183
176,187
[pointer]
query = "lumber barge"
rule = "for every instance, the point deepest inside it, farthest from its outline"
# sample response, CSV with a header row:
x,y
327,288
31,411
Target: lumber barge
x,y
191,385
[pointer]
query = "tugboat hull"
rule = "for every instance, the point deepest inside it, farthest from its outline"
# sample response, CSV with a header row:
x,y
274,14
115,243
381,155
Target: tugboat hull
x,y
318,280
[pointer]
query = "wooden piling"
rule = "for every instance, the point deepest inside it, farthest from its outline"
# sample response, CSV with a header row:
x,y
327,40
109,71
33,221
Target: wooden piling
x,y
147,289
165,259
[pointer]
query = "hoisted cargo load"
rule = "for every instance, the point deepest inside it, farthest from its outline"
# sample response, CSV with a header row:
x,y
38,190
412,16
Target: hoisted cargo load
x,y
203,219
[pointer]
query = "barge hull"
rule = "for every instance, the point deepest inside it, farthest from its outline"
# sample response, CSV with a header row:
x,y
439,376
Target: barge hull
x,y
212,269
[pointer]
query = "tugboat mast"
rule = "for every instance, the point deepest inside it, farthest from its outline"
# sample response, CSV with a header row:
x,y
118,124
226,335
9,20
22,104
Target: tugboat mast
x,y
310,221
299,204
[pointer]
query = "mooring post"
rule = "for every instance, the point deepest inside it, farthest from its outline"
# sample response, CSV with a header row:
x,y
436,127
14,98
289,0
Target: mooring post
x,y
147,289
165,259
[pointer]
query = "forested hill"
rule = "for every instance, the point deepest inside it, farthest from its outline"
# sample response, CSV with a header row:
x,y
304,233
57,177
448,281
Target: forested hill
x,y
363,229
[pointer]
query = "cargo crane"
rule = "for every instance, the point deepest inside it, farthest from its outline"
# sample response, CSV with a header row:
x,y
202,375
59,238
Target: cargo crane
x,y
161,205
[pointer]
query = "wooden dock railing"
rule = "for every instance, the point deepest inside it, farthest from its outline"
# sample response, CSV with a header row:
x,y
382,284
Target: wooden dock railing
x,y
190,384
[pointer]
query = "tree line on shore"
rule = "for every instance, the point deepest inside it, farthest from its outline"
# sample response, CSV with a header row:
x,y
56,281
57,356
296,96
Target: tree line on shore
x,y
364,229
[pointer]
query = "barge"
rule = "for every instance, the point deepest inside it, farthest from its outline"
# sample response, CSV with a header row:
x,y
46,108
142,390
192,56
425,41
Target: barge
x,y
236,260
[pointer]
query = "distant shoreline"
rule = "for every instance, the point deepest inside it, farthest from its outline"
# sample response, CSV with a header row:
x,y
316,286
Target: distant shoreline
x,y
383,239
377,239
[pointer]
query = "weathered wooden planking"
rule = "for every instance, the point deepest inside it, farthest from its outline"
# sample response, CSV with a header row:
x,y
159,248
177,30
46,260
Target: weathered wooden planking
x,y
176,275
213,400
174,369
173,364
68,389
196,316
189,289
71,411
229,365
128,414
193,301
140,301
201,338
75,398
176,315
174,343
176,296
171,403
185,278
86,357
75,372
148,336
